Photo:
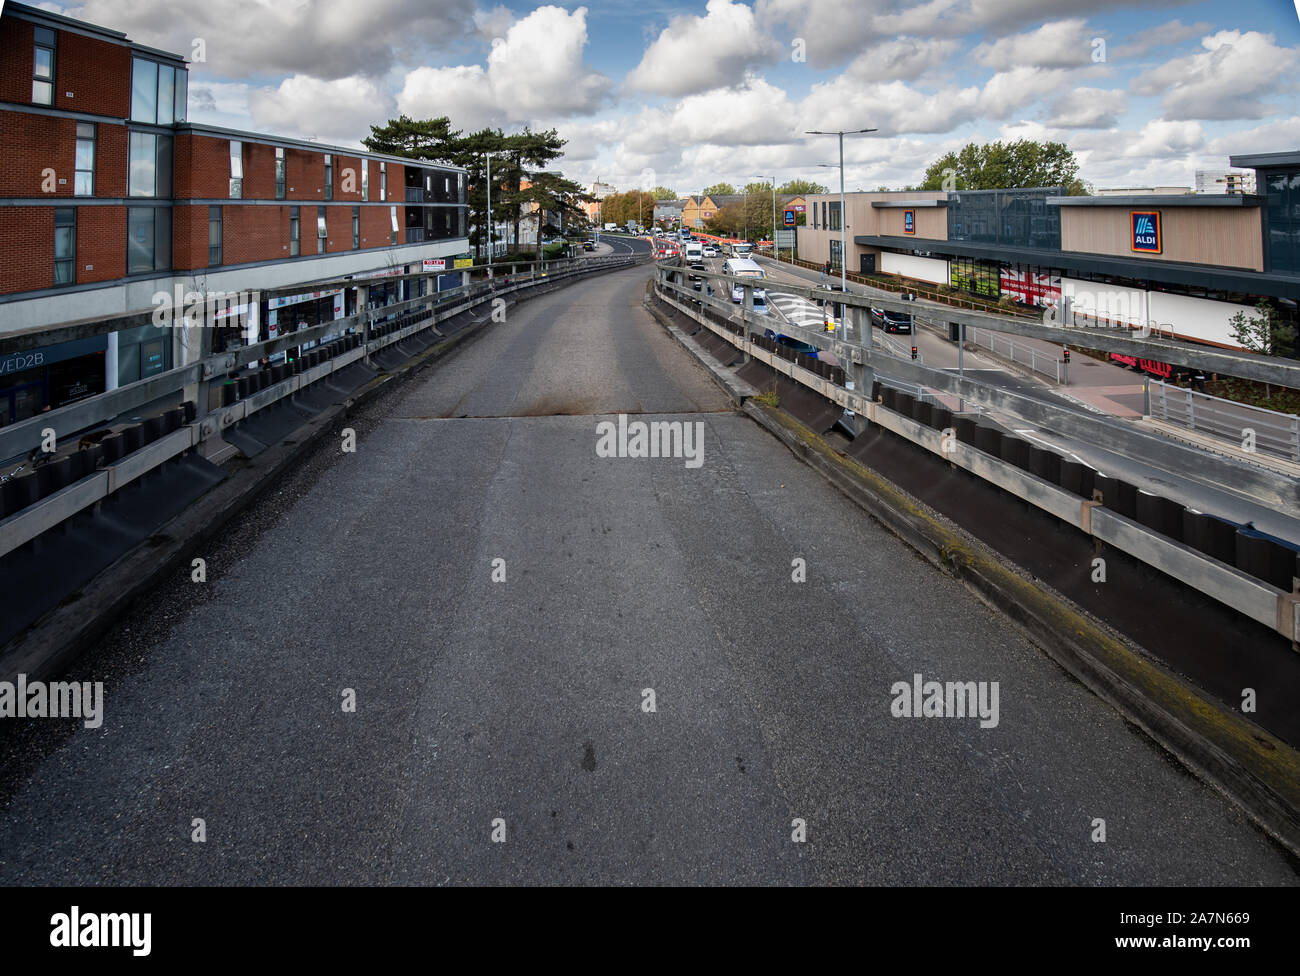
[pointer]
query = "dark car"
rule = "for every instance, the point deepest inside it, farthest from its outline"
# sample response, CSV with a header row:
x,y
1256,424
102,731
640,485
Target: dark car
x,y
891,321
798,345
697,280
589,245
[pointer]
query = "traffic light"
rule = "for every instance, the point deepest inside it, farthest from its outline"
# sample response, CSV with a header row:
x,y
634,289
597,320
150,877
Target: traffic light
x,y
1065,358
914,352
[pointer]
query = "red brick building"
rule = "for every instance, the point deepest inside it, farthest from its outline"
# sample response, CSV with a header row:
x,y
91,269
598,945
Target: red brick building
x,y
110,198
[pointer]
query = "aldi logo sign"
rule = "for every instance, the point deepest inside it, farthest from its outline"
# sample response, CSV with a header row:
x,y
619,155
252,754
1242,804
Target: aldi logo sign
x,y
1145,225
789,218
909,221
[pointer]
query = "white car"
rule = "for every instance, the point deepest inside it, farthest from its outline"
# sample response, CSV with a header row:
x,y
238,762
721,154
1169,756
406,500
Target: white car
x,y
710,251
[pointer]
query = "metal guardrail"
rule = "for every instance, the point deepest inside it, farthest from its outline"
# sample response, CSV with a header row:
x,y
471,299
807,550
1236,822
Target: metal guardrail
x,y
1245,593
359,338
1103,335
1214,470
1264,430
1050,366
934,397
895,348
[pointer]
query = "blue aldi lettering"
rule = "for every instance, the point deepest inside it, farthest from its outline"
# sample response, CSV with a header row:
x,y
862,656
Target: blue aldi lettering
x,y
1145,225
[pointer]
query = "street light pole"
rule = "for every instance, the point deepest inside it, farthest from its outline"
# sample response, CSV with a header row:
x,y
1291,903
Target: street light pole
x,y
844,254
775,252
489,208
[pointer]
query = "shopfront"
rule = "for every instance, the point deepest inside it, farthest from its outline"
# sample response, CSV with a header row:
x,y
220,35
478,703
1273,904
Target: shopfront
x,y
292,313
982,278
46,379
142,352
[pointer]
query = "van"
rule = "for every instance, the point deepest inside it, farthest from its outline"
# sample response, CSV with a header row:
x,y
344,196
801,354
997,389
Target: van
x,y
744,268
693,251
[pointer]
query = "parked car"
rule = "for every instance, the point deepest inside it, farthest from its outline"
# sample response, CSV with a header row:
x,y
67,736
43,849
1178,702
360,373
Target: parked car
x,y
891,321
589,245
798,345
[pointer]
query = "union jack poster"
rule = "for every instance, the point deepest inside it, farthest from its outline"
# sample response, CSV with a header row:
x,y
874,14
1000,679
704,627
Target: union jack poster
x,y
1031,287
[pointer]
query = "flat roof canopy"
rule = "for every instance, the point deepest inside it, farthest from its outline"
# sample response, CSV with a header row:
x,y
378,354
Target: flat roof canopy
x,y
1162,200
1172,272
1265,160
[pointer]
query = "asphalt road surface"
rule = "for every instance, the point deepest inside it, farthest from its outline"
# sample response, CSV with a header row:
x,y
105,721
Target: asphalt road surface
x,y
520,707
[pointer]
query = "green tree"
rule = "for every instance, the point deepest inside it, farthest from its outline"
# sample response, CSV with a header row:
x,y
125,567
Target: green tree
x,y
636,206
729,221
559,198
1264,333
424,139
801,188
528,149
1001,165
663,193
722,189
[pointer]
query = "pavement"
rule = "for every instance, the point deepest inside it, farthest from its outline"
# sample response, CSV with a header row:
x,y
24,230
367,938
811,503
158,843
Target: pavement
x,y
522,708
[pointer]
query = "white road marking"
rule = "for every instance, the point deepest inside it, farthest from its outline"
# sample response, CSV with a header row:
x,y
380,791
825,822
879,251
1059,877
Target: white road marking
x,y
1056,447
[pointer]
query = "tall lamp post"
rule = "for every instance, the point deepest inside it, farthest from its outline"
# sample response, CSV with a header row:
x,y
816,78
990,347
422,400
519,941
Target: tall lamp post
x,y
488,156
775,252
844,254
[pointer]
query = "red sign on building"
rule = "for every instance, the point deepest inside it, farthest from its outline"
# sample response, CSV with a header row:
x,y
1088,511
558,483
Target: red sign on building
x,y
1030,287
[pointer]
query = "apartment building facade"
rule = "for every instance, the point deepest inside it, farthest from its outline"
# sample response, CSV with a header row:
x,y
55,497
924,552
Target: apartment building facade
x,y
113,198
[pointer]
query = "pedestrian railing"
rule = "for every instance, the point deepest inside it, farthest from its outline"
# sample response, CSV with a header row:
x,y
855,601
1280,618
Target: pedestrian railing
x,y
1253,428
1040,362
896,348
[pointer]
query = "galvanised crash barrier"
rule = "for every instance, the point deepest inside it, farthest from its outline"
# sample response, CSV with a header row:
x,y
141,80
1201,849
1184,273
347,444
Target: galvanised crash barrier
x,y
1249,571
213,395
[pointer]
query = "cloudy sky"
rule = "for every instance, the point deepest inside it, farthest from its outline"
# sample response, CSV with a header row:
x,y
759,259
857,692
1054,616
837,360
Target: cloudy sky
x,y
687,94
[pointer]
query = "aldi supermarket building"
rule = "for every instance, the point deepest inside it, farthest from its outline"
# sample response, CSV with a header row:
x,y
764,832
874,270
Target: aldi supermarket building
x,y
1190,261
